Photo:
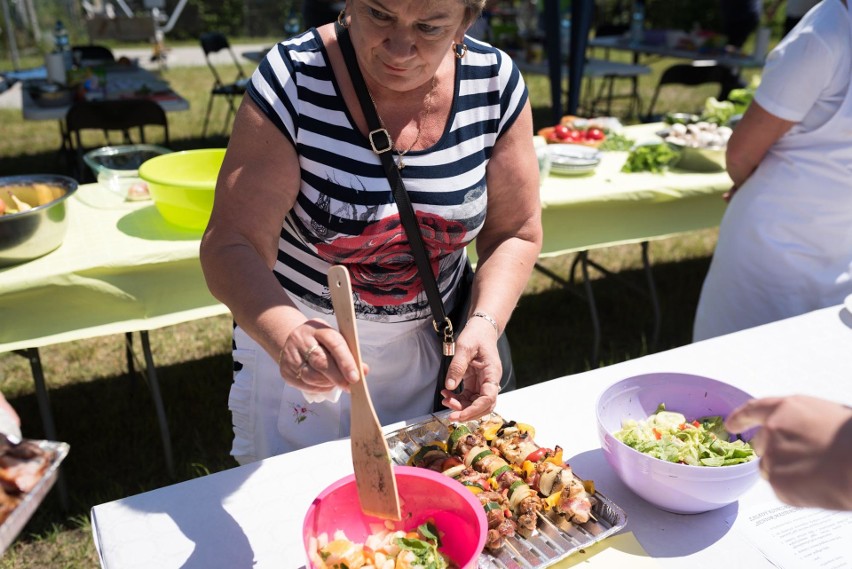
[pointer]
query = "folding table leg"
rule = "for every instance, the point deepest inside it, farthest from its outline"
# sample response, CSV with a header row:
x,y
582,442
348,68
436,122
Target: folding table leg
x,y
46,415
128,353
593,308
589,297
154,385
652,292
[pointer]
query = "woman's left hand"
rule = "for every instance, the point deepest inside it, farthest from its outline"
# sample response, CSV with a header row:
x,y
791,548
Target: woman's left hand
x,y
477,366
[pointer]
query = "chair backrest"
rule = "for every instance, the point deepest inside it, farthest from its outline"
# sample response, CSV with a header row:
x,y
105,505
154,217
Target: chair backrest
x,y
213,42
92,54
124,116
692,74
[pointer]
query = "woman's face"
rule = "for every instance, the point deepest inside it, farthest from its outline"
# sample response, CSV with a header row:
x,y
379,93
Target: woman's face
x,y
401,43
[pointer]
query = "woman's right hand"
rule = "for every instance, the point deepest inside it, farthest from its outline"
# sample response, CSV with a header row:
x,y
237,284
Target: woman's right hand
x,y
316,359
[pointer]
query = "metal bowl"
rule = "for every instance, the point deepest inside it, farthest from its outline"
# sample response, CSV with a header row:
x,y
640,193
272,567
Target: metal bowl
x,y
698,159
30,234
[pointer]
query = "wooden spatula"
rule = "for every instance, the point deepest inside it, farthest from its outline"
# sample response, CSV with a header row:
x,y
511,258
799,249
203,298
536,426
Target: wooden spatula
x,y
370,457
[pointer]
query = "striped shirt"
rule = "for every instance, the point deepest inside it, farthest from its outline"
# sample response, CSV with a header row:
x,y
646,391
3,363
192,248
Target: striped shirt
x,y
345,212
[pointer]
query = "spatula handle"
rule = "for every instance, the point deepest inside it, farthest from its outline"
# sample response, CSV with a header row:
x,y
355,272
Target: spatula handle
x,y
344,309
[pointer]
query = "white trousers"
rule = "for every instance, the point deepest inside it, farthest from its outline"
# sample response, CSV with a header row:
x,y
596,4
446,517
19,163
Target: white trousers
x,y
271,417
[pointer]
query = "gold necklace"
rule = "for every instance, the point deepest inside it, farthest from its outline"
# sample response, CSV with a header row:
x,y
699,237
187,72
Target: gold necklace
x,y
427,108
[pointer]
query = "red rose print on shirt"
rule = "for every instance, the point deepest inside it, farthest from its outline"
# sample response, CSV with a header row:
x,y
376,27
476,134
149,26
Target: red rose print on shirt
x,y
380,260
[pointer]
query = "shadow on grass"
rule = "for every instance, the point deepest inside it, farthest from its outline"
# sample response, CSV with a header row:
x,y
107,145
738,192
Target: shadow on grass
x,y
116,449
551,332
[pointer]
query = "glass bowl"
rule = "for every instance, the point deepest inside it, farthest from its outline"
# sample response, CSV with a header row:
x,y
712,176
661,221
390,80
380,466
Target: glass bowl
x,y
117,167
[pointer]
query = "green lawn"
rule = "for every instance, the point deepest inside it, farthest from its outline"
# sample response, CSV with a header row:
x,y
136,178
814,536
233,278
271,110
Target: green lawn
x,y
108,417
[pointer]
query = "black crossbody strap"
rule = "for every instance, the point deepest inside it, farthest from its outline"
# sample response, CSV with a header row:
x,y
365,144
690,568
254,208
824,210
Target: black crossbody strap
x,y
381,142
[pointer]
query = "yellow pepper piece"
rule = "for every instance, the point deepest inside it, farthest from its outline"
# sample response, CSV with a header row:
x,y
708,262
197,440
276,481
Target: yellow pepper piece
x,y
474,489
589,485
524,428
550,501
556,458
528,468
490,431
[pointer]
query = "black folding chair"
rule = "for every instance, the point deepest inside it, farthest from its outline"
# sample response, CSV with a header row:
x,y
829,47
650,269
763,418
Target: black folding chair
x,y
119,119
92,54
213,42
696,73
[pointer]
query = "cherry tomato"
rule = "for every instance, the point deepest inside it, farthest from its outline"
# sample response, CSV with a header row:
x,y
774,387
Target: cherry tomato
x,y
562,132
450,463
595,134
576,136
537,455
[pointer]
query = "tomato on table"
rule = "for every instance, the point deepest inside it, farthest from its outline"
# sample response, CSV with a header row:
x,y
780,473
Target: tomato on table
x,y
595,134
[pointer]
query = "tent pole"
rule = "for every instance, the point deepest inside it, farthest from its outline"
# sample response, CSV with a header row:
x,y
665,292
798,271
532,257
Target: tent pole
x,y
10,35
581,19
553,33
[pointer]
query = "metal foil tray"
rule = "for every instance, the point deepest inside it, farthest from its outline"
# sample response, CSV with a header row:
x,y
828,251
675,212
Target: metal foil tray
x,y
19,517
553,540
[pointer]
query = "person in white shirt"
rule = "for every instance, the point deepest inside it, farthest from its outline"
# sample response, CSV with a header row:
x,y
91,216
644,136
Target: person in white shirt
x,y
785,241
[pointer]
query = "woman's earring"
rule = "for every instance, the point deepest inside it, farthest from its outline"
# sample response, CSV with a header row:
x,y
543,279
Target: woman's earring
x,y
459,50
341,19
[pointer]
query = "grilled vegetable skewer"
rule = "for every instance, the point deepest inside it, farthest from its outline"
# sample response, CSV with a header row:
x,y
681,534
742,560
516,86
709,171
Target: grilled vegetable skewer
x,y
501,525
543,468
473,449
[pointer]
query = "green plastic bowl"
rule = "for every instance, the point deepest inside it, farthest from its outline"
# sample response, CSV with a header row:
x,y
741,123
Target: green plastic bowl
x,y
182,184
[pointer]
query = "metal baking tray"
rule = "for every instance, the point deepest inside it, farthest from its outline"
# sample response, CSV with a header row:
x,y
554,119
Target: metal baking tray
x,y
553,540
22,513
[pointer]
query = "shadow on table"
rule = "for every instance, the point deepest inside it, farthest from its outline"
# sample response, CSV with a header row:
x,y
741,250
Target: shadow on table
x,y
846,315
218,539
147,223
662,534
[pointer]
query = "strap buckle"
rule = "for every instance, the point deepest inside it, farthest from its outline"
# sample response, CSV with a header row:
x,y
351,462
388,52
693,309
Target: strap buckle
x,y
381,148
445,328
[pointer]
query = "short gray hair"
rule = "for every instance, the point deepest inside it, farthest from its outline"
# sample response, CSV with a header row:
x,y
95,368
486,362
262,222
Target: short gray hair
x,y
473,9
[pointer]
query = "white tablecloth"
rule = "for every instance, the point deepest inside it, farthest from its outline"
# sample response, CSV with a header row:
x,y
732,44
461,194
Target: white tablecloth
x,y
251,516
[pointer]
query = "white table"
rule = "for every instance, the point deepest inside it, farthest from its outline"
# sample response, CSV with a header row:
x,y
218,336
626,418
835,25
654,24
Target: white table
x,y
253,514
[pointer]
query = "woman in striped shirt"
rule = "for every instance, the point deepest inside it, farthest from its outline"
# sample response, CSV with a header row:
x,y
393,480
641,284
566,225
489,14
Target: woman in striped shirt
x,y
301,190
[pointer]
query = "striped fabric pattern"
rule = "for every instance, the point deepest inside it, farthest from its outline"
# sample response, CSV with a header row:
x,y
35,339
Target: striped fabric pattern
x,y
345,211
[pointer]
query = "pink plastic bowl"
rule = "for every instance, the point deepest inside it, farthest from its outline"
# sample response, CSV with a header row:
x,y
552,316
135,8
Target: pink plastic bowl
x,y
423,494
678,488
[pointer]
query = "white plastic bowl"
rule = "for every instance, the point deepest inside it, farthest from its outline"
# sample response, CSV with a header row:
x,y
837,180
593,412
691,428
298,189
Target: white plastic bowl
x,y
678,488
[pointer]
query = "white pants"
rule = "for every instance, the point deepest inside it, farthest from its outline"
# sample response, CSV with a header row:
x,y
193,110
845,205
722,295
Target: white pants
x,y
271,417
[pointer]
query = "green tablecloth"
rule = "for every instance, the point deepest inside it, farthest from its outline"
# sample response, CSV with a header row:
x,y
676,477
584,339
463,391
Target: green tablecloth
x,y
121,268
613,208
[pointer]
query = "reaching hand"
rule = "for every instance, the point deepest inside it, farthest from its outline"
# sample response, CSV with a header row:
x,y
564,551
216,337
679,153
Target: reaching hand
x,y
316,359
477,365
805,448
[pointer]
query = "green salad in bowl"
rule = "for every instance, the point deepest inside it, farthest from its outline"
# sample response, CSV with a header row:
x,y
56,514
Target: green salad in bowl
x,y
670,436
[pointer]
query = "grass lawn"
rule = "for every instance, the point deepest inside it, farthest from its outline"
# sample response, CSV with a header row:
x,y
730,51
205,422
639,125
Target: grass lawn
x,y
108,417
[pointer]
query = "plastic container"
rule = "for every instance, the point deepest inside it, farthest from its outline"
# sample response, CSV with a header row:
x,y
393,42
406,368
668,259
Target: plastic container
x,y
678,488
182,185
117,168
423,495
